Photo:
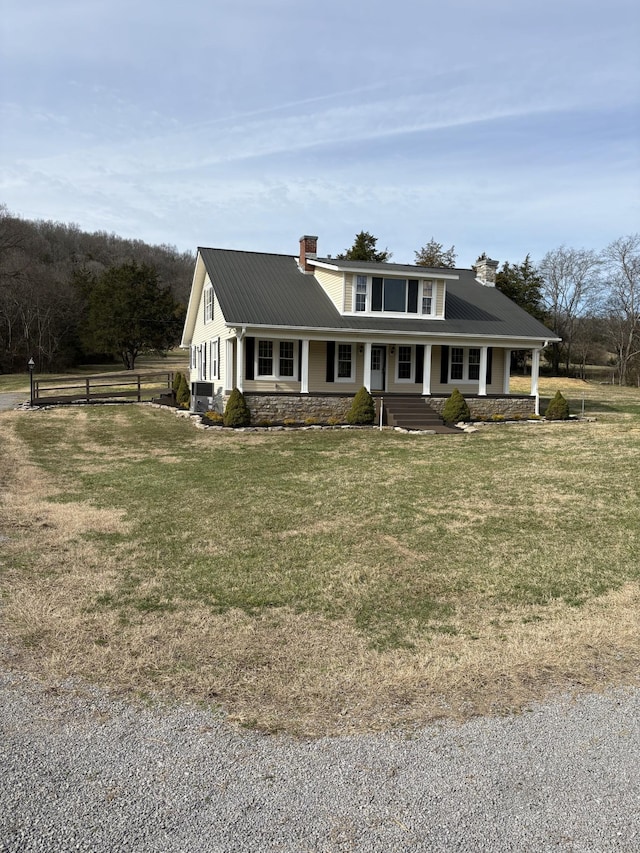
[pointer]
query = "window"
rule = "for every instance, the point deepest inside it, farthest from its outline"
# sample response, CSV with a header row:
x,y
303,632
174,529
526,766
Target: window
x,y
395,295
465,364
265,358
361,293
457,362
474,364
404,363
214,359
344,361
208,304
427,297
276,359
286,358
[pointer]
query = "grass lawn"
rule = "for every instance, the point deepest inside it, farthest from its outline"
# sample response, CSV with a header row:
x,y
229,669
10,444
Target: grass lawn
x,y
324,581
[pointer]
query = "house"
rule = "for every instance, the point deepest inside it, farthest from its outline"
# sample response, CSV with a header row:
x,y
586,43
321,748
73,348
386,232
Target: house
x,y
299,335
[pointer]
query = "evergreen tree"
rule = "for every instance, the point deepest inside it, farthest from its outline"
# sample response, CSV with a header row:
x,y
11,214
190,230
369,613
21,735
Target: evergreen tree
x,y
435,255
364,249
129,312
455,409
523,283
363,408
236,413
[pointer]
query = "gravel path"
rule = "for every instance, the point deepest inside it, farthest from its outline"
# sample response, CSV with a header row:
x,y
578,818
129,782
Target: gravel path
x,y
11,399
84,772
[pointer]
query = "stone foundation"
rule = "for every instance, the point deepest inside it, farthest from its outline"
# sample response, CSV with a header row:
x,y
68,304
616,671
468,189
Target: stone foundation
x,y
329,408
305,408
484,407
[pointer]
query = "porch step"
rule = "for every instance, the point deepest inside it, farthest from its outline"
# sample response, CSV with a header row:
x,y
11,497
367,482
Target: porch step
x,y
414,413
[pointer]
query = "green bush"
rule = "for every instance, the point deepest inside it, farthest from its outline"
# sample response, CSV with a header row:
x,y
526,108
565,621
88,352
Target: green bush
x,y
183,395
236,413
177,378
558,409
363,409
455,409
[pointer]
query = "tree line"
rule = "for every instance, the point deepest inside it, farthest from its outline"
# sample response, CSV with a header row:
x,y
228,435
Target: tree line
x,y
69,297
589,298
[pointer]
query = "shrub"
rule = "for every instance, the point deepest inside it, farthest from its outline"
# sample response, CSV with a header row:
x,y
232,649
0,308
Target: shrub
x,y
177,377
236,413
558,409
363,409
212,417
183,395
455,409
497,418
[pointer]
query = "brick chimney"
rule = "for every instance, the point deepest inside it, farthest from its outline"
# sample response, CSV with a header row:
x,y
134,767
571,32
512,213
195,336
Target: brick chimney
x,y
308,249
486,270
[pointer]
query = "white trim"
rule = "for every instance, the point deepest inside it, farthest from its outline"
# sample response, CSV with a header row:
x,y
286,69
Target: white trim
x,y
337,359
366,379
304,366
228,365
482,379
398,271
426,372
412,365
275,360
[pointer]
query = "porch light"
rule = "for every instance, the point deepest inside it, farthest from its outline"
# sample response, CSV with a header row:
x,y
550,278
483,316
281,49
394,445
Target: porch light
x,y
392,350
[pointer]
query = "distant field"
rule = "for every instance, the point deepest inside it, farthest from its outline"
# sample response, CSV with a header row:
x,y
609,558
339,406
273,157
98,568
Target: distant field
x,y
20,381
324,581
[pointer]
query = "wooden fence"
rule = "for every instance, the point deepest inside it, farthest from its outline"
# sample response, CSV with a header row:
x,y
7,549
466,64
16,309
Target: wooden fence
x,y
102,387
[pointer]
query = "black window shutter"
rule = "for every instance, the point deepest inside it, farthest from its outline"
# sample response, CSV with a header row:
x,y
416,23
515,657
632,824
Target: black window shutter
x,y
376,294
489,364
249,351
419,363
444,364
218,362
331,356
412,301
299,361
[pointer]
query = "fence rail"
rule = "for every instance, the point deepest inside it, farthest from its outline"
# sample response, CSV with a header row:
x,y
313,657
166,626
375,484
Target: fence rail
x,y
108,386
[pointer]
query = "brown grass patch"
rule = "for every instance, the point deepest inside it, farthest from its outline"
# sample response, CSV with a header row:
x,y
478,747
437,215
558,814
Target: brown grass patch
x,y
280,669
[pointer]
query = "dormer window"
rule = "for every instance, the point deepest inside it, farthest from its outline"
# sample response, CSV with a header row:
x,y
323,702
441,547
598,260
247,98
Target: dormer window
x,y
394,295
361,293
427,298
417,297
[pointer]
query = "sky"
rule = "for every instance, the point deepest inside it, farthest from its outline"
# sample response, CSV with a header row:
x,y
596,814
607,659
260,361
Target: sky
x,y
509,127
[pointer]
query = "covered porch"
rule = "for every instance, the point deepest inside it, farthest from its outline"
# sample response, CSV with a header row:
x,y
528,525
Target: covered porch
x,y
311,366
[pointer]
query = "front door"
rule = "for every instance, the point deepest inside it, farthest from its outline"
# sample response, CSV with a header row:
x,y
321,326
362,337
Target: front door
x,y
378,360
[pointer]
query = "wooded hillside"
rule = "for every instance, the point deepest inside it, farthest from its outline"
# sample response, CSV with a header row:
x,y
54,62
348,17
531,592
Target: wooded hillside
x,y
46,271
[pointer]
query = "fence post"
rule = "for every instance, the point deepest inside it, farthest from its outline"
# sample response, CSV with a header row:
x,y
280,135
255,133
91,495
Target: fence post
x,y
139,397
88,384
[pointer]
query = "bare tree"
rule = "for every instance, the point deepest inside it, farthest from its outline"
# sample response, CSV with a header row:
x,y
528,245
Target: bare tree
x,y
621,261
570,288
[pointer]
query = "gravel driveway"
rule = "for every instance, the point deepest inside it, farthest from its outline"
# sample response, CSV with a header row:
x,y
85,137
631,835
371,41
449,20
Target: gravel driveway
x,y
84,772
11,399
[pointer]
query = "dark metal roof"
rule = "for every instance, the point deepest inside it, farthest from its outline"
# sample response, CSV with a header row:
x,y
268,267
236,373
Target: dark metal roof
x,y
259,289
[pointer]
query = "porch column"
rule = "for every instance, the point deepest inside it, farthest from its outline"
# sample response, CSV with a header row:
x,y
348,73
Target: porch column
x,y
366,380
228,365
535,373
426,371
304,367
482,384
239,362
506,376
